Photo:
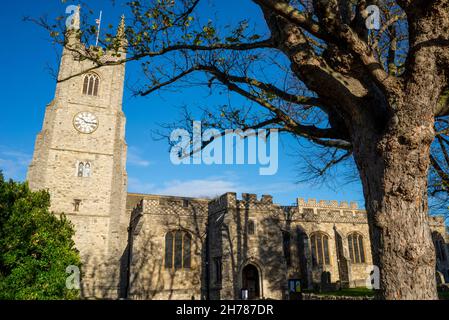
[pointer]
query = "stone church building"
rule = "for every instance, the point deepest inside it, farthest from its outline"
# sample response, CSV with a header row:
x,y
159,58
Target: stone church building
x,y
140,246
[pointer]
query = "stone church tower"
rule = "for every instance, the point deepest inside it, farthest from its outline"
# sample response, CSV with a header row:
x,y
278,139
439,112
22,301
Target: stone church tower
x,y
80,158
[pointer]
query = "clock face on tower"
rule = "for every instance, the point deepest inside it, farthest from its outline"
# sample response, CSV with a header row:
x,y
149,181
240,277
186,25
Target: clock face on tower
x,y
85,122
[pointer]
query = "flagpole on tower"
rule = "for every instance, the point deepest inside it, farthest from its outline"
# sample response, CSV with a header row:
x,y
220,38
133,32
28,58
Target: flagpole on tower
x,y
98,21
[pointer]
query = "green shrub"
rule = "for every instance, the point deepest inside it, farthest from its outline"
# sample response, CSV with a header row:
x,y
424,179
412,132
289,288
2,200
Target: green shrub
x,y
36,246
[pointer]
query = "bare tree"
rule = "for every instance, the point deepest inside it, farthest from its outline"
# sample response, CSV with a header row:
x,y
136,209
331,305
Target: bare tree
x,y
319,73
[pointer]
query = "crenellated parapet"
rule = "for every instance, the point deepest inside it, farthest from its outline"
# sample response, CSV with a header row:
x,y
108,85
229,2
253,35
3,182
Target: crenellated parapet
x,y
310,210
313,203
169,205
331,215
329,211
80,60
73,42
307,211
222,202
247,201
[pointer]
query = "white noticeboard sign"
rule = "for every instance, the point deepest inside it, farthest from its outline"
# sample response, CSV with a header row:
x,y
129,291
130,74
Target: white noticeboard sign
x,y
244,294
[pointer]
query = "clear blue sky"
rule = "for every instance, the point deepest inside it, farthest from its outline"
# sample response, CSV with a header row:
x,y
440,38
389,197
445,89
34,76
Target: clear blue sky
x,y
27,86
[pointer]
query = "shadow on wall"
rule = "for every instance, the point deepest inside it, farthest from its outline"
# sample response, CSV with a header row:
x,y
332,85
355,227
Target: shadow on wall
x,y
229,243
100,278
246,237
296,249
144,272
273,256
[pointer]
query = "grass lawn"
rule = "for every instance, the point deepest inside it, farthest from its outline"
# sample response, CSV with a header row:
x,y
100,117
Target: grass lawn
x,y
350,292
362,292
443,295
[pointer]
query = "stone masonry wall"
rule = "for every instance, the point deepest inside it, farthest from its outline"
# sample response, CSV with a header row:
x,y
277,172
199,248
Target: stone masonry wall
x,y
334,219
235,247
217,270
149,279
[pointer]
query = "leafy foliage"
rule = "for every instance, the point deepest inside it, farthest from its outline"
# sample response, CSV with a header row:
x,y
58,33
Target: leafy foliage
x,y
35,245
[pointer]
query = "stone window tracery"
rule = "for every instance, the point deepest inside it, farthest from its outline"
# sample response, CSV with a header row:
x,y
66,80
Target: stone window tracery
x,y
80,169
178,250
320,249
84,169
91,84
356,248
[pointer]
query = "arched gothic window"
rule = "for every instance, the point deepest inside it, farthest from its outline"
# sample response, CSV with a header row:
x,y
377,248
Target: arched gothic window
x,y
356,248
84,169
320,248
80,169
177,250
91,84
87,170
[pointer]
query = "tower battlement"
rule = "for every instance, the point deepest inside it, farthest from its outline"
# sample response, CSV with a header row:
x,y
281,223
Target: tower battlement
x,y
313,203
246,200
310,210
231,199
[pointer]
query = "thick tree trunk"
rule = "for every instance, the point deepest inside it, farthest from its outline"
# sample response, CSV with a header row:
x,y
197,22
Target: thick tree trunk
x,y
390,123
393,166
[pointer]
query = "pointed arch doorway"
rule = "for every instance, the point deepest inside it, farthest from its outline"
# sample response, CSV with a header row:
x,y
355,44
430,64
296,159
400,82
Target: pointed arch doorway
x,y
251,281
